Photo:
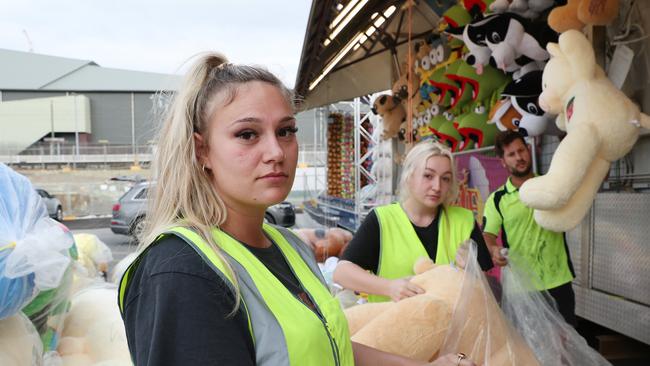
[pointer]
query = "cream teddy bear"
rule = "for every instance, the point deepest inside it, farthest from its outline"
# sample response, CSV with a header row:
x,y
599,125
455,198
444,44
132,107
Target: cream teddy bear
x,y
602,125
423,326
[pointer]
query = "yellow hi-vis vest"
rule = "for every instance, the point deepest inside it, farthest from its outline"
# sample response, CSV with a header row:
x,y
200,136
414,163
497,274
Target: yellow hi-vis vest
x,y
400,245
284,330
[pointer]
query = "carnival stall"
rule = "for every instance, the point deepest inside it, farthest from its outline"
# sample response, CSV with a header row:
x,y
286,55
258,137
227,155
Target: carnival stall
x,y
571,77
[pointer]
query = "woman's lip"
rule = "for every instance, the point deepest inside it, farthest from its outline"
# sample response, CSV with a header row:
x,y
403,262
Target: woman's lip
x,y
274,175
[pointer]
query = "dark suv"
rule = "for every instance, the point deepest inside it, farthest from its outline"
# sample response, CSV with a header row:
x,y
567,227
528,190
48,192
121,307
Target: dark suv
x,y
129,211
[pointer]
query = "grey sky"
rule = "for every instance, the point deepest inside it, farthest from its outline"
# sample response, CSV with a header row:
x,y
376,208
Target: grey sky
x,y
159,35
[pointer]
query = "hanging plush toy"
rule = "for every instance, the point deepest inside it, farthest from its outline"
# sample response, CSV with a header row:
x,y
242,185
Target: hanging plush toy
x,y
504,115
448,134
524,98
452,21
423,65
530,9
446,89
579,13
474,87
424,130
429,58
509,37
392,113
438,119
400,88
506,41
476,132
602,125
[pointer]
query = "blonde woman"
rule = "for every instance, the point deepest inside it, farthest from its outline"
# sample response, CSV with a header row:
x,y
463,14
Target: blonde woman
x,y
213,285
422,224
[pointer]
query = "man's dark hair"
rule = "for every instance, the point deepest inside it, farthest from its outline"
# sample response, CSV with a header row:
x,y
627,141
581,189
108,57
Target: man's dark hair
x,y
505,138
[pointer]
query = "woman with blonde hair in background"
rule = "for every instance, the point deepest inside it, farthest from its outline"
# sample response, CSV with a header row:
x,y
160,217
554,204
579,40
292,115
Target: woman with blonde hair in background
x,y
422,224
213,284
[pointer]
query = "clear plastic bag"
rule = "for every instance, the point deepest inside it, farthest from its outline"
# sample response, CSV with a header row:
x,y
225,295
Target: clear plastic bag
x,y
35,258
14,292
42,251
531,312
94,254
478,327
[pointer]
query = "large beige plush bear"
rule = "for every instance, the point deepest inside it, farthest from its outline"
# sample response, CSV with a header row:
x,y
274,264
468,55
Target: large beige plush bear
x,y
424,326
94,332
602,125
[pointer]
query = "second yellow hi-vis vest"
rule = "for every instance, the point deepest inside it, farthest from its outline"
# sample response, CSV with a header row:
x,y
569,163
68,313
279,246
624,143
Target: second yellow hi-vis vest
x,y
400,245
284,330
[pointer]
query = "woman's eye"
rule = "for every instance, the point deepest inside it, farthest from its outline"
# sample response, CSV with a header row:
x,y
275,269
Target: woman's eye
x,y
246,135
288,131
428,176
446,179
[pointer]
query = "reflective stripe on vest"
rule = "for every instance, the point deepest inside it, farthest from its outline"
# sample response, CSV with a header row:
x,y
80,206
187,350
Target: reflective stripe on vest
x,y
400,245
285,331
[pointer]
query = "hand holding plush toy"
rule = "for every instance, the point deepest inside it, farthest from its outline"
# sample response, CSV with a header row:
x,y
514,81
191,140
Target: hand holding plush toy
x,y
602,125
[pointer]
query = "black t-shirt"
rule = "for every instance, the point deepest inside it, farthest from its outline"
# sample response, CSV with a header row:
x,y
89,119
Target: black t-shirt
x,y
176,308
363,249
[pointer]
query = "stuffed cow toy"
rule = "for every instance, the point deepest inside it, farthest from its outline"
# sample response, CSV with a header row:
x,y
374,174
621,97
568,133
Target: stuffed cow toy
x,y
602,125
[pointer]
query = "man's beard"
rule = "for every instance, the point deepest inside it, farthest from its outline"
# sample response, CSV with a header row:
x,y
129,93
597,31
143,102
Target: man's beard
x,y
520,173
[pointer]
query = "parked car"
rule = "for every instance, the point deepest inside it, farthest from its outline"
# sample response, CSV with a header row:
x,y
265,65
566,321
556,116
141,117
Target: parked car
x,y
53,205
283,214
129,211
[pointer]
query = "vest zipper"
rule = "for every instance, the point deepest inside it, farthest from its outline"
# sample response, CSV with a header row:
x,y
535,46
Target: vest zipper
x,y
316,311
321,317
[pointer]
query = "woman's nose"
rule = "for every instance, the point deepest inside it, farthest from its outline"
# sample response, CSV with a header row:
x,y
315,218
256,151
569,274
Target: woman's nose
x,y
273,150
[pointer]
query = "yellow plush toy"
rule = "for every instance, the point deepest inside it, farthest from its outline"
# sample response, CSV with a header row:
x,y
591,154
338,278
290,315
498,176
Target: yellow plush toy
x,y
602,125
422,326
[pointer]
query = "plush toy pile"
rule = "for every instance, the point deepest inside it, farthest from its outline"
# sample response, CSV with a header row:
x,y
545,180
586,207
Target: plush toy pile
x,y
480,70
48,314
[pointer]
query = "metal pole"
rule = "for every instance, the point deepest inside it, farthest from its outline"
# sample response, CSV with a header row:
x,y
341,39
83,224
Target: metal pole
x,y
52,117
135,154
533,148
52,126
76,133
357,157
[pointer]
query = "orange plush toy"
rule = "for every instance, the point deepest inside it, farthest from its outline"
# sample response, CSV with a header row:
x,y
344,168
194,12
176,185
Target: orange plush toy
x,y
325,243
579,13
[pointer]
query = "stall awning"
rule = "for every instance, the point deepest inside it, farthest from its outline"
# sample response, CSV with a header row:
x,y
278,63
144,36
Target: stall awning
x,y
352,48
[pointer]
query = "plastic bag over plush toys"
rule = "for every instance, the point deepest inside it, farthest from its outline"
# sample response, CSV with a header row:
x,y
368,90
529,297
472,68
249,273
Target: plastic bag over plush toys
x,y
554,341
456,313
35,258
